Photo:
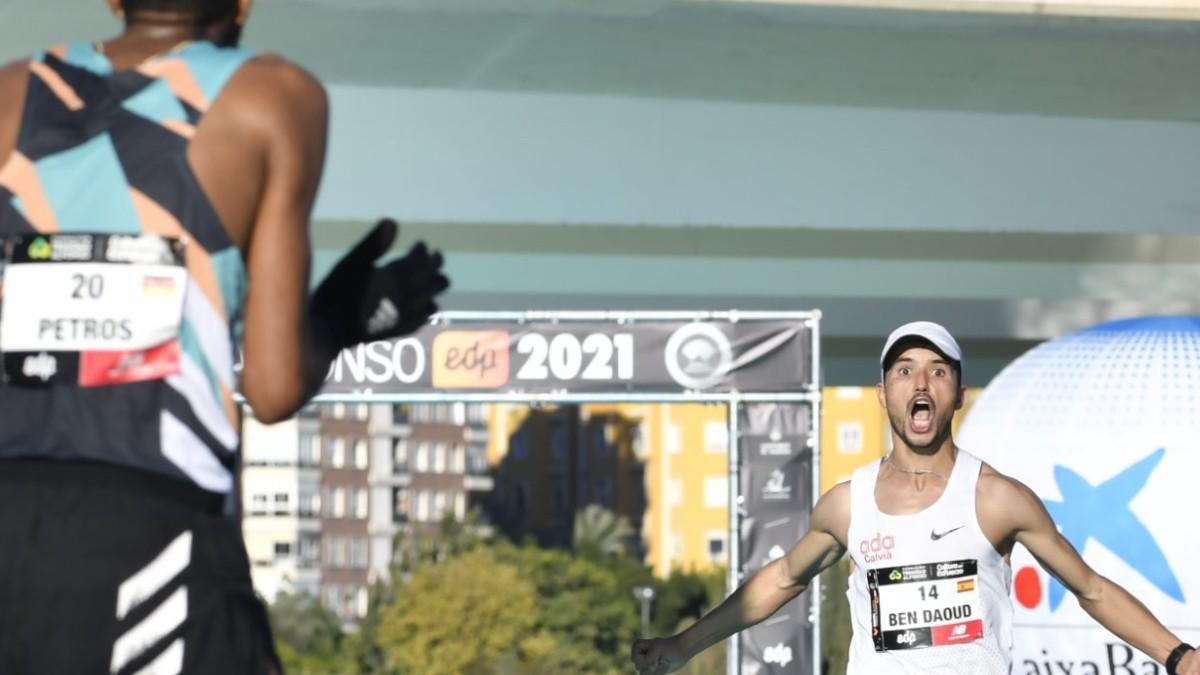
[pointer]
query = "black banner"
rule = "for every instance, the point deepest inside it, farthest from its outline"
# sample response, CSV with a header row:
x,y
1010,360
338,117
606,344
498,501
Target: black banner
x,y
776,473
474,357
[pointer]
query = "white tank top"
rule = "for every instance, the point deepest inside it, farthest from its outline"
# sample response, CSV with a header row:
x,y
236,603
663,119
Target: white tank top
x,y
929,593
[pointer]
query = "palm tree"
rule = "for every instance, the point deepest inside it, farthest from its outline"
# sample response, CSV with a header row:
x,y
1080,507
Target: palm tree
x,y
598,529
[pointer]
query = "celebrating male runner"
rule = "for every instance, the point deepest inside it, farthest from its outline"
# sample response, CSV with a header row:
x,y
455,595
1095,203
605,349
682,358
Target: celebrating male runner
x,y
155,192
930,528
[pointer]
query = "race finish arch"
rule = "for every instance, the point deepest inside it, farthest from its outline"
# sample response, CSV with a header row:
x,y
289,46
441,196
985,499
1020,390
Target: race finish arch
x,y
762,365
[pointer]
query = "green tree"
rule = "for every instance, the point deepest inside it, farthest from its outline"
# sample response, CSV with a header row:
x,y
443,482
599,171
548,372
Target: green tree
x,y
586,619
308,636
457,616
835,618
685,596
599,530
412,549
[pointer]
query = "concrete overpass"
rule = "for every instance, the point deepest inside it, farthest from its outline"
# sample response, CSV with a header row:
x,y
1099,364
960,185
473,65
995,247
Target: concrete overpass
x,y
1015,175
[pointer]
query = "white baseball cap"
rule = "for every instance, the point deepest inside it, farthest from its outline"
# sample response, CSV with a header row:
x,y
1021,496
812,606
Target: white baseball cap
x,y
933,333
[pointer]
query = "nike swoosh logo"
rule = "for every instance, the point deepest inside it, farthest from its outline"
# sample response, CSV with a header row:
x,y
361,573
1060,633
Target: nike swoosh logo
x,y
935,535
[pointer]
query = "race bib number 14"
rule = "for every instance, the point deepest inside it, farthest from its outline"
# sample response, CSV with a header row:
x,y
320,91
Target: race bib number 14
x,y
915,606
91,309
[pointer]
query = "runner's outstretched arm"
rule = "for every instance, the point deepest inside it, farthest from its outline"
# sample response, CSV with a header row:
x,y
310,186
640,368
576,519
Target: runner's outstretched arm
x,y
762,595
290,336
1108,603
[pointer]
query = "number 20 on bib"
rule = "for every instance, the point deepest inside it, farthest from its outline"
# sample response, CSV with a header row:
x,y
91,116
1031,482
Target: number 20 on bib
x,y
91,309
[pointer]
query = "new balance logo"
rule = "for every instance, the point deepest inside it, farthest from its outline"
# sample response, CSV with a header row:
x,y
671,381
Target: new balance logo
x,y
386,316
959,630
935,535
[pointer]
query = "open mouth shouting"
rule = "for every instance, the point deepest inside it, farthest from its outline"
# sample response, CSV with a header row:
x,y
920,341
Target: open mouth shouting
x,y
920,414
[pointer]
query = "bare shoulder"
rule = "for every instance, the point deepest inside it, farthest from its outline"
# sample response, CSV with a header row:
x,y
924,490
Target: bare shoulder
x,y
15,71
13,81
13,77
1005,498
274,97
273,75
832,512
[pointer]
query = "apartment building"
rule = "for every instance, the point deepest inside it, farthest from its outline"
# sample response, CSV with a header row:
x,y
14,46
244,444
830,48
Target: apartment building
x,y
281,503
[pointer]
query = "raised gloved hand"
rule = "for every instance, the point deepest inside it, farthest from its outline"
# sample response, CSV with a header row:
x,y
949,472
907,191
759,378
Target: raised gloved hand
x,y
359,301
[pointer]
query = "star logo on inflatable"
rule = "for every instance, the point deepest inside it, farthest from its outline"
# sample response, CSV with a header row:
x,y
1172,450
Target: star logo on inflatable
x,y
1101,513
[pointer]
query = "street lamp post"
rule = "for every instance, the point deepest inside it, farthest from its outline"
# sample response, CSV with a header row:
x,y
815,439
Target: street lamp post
x,y
644,595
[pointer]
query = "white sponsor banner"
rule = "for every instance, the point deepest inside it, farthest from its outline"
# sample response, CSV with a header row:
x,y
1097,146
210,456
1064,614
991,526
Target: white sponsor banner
x,y
1104,425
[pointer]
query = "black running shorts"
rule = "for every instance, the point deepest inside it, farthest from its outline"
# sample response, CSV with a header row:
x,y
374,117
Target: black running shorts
x,y
111,570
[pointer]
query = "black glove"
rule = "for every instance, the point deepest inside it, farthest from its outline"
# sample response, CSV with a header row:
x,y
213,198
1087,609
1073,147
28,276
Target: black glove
x,y
360,302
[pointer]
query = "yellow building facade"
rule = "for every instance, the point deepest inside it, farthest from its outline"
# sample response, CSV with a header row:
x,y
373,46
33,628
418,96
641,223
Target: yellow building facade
x,y
666,466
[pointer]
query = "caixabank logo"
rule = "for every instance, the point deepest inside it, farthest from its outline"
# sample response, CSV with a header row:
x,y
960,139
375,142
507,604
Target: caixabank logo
x,y
1104,425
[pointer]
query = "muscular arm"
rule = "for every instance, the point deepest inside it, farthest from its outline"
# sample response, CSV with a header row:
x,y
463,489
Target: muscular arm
x,y
780,580
291,116
13,79
1109,604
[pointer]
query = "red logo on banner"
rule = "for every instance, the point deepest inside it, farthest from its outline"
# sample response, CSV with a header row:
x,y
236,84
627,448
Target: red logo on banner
x,y
97,369
968,631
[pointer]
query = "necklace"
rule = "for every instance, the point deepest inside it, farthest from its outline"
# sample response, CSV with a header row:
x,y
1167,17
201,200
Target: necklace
x,y
913,472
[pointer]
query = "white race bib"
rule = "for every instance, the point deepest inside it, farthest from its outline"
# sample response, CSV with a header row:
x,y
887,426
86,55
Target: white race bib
x,y
91,309
928,605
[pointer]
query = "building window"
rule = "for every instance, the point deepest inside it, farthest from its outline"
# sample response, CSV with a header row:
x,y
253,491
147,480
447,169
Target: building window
x,y
458,459
258,504
716,492
460,505
362,411
716,547
360,503
716,437
676,546
337,452
310,551
360,454
475,413
349,605
358,553
850,438
520,450
310,504
637,440
477,460
422,505
363,601
674,492
338,499
333,595
439,457
283,549
558,442
399,505
338,411
400,456
422,460
439,505
310,450
282,503
458,414
604,492
674,439
600,444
